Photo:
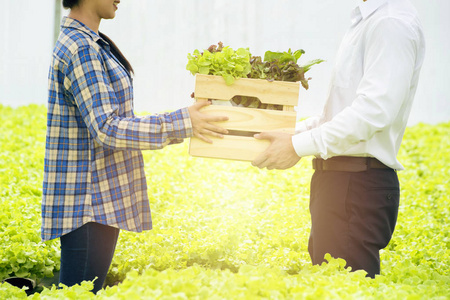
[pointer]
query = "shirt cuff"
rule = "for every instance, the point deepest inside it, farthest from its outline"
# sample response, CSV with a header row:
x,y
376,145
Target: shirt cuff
x,y
304,144
182,126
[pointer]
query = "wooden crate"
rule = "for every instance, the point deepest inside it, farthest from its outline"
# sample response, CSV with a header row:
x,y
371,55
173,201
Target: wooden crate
x,y
244,120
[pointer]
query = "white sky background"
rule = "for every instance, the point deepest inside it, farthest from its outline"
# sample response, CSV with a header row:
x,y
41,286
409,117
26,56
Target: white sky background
x,y
157,35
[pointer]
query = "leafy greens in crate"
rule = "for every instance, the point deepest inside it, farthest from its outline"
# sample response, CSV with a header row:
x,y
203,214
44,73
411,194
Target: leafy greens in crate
x,y
230,64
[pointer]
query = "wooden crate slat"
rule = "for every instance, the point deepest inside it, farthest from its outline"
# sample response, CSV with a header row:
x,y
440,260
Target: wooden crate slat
x,y
252,119
230,147
275,92
244,148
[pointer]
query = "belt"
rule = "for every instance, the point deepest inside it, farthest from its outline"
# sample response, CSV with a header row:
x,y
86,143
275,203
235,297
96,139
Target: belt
x,y
348,164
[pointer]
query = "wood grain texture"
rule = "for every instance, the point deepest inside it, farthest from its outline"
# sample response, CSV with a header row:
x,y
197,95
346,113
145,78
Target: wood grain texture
x,y
230,147
253,119
275,92
244,119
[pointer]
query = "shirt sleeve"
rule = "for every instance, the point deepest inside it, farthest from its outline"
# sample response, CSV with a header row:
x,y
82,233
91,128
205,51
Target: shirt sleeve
x,y
99,109
307,124
389,61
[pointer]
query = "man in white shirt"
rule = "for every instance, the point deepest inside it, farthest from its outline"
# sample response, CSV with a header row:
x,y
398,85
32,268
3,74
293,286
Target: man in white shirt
x,y
355,189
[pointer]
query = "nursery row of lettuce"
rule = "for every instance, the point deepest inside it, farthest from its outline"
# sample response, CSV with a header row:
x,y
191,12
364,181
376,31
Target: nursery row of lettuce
x,y
224,229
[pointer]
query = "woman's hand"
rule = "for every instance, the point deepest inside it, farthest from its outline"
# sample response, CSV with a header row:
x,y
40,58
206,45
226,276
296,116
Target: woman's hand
x,y
201,122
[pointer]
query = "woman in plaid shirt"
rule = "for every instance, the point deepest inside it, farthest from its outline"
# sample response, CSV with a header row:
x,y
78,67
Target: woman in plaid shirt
x,y
94,181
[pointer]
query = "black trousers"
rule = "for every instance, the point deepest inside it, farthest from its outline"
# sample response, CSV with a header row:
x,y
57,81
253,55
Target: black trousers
x,y
86,253
353,216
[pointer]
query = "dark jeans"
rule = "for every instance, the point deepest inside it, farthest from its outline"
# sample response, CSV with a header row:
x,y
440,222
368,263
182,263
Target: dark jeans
x,y
353,216
87,253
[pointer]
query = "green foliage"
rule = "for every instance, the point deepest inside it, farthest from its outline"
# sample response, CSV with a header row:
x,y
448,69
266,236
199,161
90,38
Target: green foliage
x,y
8,291
282,66
222,61
284,57
77,292
22,140
226,230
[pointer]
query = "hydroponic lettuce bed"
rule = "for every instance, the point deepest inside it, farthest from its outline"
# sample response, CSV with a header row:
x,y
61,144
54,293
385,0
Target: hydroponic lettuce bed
x,y
226,230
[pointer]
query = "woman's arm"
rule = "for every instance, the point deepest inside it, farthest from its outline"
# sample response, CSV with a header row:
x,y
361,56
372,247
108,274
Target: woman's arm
x,y
98,105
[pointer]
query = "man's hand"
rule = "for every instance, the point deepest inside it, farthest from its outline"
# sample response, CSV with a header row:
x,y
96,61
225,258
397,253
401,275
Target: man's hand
x,y
201,122
280,154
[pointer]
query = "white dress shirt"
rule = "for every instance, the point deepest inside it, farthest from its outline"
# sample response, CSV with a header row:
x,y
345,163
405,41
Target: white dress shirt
x,y
372,87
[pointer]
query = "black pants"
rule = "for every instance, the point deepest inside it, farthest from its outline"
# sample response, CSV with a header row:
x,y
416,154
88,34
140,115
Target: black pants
x,y
353,216
87,253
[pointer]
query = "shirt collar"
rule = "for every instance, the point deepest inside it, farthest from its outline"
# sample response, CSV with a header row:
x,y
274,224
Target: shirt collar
x,y
365,9
368,7
68,22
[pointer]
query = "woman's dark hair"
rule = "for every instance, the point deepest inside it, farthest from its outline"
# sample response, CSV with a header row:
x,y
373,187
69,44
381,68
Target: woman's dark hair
x,y
117,53
69,3
114,49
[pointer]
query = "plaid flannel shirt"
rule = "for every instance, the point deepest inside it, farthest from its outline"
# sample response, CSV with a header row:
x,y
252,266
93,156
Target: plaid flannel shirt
x,y
94,168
